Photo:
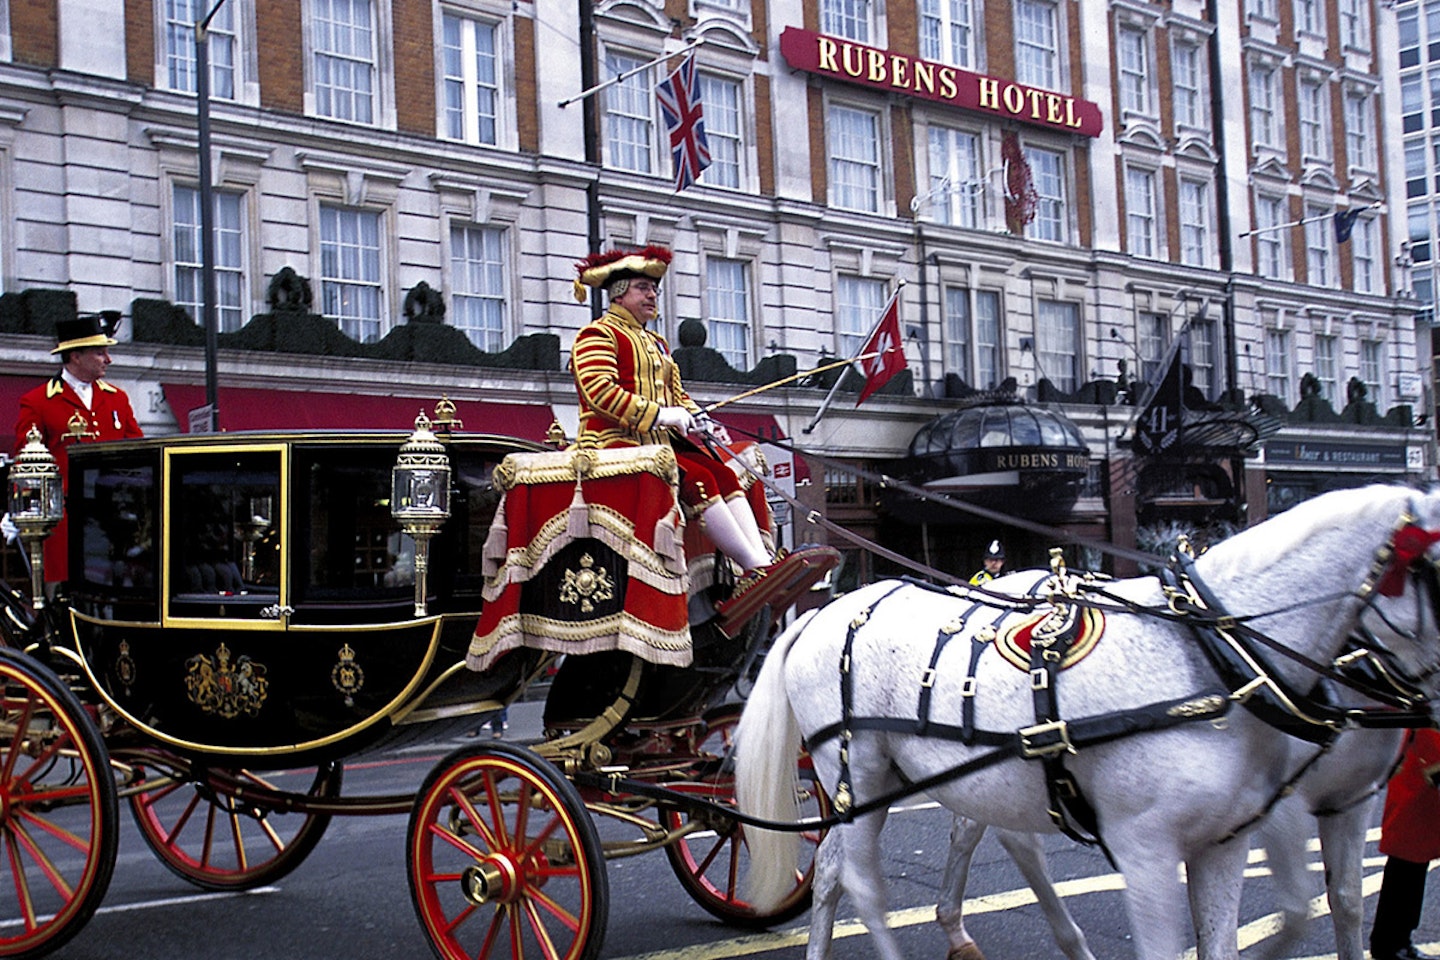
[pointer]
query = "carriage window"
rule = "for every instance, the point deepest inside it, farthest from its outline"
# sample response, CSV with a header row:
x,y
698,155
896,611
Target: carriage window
x,y
348,547
113,509
225,533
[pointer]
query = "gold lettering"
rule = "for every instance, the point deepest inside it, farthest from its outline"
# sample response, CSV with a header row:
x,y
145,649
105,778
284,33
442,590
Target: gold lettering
x,y
859,67
827,55
899,71
989,93
1014,103
1070,119
877,66
1035,96
924,76
1052,108
949,89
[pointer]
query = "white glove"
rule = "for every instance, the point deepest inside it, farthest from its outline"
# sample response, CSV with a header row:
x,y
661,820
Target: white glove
x,y
8,528
716,430
676,418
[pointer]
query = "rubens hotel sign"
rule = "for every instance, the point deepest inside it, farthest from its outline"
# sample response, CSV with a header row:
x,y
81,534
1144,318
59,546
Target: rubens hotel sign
x,y
893,72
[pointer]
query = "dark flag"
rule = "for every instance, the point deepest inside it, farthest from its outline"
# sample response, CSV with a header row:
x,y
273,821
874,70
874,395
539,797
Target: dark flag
x,y
1158,427
1345,222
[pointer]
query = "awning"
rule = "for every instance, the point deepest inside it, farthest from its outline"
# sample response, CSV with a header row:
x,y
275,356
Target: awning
x,y
11,390
249,408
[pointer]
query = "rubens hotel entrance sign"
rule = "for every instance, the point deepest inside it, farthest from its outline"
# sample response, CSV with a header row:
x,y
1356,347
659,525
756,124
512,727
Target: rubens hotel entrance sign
x,y
894,72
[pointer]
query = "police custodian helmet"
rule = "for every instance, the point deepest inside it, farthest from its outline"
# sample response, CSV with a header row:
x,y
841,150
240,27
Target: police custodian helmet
x,y
995,551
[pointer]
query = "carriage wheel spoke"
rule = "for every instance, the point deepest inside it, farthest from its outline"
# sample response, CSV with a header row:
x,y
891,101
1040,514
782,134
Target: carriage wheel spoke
x,y
24,843
22,725
237,840
542,933
22,885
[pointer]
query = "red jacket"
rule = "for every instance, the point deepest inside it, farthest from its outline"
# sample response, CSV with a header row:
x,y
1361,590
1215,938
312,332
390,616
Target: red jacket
x,y
50,407
1410,829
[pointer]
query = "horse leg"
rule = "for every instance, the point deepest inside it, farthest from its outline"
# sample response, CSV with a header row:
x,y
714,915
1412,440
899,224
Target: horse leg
x,y
1029,855
1284,835
825,894
1214,876
1154,899
950,910
1342,847
864,881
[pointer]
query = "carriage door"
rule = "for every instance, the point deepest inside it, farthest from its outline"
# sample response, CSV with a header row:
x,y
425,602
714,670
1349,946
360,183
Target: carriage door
x,y
225,557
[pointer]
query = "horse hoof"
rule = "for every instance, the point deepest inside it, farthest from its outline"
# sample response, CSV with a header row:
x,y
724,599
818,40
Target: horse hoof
x,y
968,952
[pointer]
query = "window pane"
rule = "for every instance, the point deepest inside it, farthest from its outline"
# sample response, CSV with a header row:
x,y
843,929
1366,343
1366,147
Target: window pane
x,y
229,251
854,144
858,302
180,19
1047,172
721,100
728,296
1057,343
629,117
477,278
350,271
344,51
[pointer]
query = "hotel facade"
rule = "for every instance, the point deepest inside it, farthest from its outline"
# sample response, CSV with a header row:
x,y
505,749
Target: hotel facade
x,y
1056,190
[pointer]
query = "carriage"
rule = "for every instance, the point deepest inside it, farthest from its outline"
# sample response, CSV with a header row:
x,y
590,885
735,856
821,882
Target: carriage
x,y
243,608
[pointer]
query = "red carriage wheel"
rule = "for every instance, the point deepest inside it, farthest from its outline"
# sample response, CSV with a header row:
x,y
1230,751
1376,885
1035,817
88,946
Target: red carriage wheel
x,y
59,813
203,833
711,861
504,861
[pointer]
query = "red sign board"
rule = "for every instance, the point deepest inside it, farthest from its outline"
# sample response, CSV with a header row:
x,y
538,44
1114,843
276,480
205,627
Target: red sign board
x,y
852,62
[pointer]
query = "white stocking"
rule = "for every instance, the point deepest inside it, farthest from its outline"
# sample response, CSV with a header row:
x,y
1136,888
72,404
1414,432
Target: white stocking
x,y
727,533
745,517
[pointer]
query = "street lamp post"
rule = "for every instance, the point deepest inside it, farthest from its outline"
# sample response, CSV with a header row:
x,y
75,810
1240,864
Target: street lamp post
x,y
208,318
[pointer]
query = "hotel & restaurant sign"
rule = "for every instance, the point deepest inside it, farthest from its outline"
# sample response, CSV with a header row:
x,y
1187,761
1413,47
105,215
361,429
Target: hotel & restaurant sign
x,y
852,62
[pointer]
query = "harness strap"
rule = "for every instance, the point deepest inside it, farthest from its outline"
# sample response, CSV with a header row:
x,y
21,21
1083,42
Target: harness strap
x,y
927,680
843,793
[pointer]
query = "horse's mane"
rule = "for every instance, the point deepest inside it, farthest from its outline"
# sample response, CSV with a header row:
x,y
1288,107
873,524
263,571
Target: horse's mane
x,y
1262,545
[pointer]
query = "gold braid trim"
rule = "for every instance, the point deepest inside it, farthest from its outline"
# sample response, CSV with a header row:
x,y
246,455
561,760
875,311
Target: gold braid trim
x,y
584,463
620,631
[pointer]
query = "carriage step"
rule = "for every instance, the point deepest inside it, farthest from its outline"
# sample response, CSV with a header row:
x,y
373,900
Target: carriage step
x,y
780,585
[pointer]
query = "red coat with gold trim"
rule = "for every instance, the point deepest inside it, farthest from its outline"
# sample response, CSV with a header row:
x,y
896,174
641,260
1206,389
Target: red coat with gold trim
x,y
1410,829
624,374
51,406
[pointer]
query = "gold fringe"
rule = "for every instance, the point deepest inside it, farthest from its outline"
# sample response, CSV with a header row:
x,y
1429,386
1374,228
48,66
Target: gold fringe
x,y
619,631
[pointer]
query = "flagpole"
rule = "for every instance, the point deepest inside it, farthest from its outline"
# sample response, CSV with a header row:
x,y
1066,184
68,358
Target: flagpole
x,y
630,73
825,404
1304,220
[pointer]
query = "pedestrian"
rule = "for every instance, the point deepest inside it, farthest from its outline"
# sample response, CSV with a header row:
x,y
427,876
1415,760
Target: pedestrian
x,y
992,564
1410,839
76,406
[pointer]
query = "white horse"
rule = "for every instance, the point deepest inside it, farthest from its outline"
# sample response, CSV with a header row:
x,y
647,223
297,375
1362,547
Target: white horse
x,y
1162,798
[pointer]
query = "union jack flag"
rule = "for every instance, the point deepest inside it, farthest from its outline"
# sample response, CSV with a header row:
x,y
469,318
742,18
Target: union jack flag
x,y
685,122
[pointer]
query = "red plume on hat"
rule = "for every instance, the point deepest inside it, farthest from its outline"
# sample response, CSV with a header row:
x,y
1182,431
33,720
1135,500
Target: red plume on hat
x,y
603,269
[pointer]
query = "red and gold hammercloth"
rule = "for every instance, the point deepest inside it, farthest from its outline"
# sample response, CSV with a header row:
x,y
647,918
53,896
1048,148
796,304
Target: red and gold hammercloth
x,y
586,554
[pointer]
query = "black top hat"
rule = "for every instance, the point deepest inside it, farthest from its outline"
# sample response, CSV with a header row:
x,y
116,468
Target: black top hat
x,y
87,330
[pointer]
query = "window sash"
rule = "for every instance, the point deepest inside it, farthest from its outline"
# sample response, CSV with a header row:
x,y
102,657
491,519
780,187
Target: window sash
x,y
1363,253
1319,255
1326,371
1277,363
1185,71
1057,343
1202,356
1140,211
1312,120
721,99
1194,223
972,336
1270,243
946,31
1047,174
1262,104
1372,370
344,59
1134,71
472,80
858,302
477,283
956,181
180,19
229,230
846,18
854,142
629,116
1036,57
1357,132
727,293
1154,335
350,271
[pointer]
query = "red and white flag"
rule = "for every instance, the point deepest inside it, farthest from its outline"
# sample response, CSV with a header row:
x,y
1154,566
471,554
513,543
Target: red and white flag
x,y
684,117
883,355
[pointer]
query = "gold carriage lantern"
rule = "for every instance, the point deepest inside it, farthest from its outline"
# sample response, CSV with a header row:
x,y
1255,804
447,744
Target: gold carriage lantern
x,y
420,496
36,503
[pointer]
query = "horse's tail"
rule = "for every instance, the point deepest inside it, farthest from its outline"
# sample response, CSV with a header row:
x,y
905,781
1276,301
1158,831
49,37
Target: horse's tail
x,y
767,743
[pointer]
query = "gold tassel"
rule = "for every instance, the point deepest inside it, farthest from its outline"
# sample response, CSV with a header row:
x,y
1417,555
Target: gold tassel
x,y
577,524
579,292
495,551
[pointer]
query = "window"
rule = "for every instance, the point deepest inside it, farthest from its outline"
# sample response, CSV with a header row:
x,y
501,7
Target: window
x,y
1415,168
854,141
972,336
858,303
1419,220
1355,24
1057,343
1186,66
472,80
1270,237
1047,169
1134,59
477,281
1327,369
344,51
629,116
946,32
1202,356
846,18
229,257
1154,336
1359,144
728,298
1263,9
1412,103
1262,105
350,271
1319,253
1036,46
1194,222
1372,371
1407,21
1140,212
721,99
1277,364
1364,254
956,181
1312,120
1309,17
180,19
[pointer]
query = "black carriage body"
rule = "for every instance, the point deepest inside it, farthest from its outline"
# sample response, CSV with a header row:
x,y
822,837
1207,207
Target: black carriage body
x,y
251,595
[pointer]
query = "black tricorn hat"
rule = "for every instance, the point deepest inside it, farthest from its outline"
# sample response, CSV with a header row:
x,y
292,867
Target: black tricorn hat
x,y
87,330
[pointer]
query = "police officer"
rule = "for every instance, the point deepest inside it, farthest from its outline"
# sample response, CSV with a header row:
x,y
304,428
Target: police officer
x,y
76,406
994,562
